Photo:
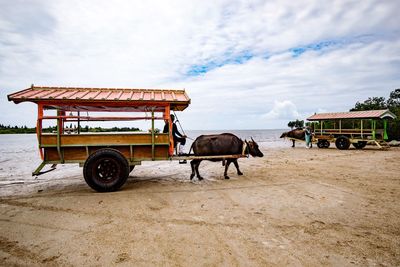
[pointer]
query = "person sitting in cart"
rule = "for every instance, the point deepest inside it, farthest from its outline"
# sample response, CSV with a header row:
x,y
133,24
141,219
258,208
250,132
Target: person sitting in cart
x,y
178,137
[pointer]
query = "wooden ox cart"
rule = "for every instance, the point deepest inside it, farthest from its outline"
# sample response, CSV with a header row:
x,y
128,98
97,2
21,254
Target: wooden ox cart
x,y
106,158
357,128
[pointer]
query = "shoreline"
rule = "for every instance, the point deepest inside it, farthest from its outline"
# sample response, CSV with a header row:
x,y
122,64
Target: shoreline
x,y
65,175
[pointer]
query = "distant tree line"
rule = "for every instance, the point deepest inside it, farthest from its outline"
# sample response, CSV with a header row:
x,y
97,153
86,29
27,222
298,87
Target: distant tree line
x,y
7,129
15,129
113,129
296,124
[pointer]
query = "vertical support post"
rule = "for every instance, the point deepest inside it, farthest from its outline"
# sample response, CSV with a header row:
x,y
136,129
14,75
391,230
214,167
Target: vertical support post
x,y
385,135
62,113
152,135
373,126
362,126
59,130
39,129
79,122
340,126
321,126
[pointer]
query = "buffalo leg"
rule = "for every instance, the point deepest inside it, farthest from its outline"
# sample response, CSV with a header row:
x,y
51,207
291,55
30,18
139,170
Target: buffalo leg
x,y
237,167
293,143
228,162
193,170
196,167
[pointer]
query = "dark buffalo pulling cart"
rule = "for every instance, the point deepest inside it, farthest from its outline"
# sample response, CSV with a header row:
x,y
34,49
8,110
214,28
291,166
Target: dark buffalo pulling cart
x,y
106,158
357,128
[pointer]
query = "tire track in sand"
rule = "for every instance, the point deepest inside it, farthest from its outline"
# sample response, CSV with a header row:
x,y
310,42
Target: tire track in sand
x,y
28,257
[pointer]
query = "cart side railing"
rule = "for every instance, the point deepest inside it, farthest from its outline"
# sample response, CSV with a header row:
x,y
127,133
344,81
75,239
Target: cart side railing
x,y
134,146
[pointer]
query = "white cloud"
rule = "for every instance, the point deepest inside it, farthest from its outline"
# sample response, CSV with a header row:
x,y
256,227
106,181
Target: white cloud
x,y
155,43
285,110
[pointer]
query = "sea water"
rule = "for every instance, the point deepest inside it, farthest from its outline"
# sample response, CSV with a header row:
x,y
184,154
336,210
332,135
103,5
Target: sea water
x,y
19,155
265,138
25,144
19,152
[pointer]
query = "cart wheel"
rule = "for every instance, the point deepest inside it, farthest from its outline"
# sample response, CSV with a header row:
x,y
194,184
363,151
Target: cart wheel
x,y
326,144
342,142
321,144
360,144
106,170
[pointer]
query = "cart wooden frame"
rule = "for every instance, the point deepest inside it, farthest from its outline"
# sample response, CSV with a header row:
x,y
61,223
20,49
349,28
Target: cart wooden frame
x,y
126,149
364,128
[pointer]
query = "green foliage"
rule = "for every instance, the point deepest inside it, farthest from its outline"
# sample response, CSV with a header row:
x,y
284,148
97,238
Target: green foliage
x,y
51,129
296,124
393,104
372,103
113,129
15,129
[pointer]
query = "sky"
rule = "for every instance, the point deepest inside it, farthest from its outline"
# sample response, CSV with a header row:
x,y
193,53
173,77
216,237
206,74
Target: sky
x,y
244,64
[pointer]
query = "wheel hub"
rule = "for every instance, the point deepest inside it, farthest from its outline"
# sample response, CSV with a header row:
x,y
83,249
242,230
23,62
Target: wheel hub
x,y
106,170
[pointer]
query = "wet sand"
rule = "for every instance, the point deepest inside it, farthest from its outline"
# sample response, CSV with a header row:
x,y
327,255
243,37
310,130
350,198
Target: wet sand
x,y
299,206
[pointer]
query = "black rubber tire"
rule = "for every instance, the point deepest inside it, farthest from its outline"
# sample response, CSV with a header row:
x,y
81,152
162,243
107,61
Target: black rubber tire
x,y
342,142
321,144
360,144
106,170
326,144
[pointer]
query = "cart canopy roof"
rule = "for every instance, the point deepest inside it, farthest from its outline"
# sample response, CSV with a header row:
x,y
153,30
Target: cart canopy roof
x,y
367,114
102,99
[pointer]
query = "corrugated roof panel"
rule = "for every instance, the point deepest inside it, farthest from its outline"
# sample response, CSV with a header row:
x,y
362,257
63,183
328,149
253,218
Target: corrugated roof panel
x,y
54,94
68,96
125,95
173,95
180,97
147,96
26,93
114,94
91,95
103,95
80,94
17,94
168,96
136,95
367,114
42,94
157,96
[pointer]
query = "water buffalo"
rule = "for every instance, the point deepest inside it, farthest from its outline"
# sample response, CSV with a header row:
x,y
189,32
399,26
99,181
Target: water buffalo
x,y
296,133
222,144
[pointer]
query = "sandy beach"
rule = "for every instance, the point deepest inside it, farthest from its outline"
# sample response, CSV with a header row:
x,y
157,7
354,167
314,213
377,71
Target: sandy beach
x,y
296,207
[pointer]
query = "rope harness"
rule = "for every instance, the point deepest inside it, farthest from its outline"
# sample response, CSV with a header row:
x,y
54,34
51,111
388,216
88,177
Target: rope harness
x,y
180,126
